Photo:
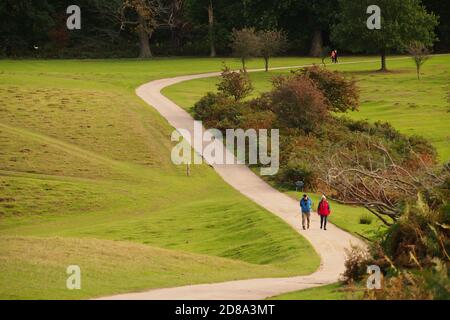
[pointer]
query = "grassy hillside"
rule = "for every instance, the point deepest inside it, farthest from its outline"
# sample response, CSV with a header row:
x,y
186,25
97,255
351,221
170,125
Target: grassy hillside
x,y
86,178
413,107
38,267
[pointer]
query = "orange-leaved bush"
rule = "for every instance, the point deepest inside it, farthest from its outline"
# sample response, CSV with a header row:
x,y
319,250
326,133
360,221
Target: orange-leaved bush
x,y
298,103
341,94
234,84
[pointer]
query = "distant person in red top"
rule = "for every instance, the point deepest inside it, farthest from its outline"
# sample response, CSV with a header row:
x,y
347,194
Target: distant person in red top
x,y
333,56
324,211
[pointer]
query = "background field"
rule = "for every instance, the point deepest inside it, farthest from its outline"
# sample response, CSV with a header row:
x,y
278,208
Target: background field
x,y
413,107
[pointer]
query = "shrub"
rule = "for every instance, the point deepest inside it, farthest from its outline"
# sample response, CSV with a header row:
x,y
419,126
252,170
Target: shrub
x,y
341,94
406,285
412,255
410,150
365,219
234,84
356,264
218,111
257,120
299,104
419,236
296,170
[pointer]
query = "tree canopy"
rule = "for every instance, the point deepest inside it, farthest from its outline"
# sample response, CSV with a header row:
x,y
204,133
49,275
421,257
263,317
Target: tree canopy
x,y
204,27
402,21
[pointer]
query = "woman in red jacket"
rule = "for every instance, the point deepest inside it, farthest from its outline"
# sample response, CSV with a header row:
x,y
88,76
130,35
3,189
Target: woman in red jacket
x,y
324,211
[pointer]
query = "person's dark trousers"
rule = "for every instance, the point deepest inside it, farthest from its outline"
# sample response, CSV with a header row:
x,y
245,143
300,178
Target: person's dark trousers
x,y
323,222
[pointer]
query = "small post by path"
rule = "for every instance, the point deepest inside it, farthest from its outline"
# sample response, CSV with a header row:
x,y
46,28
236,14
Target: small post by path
x,y
299,184
188,169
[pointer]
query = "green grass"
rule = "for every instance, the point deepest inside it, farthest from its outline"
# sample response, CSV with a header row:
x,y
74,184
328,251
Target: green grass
x,y
413,107
36,267
86,178
335,291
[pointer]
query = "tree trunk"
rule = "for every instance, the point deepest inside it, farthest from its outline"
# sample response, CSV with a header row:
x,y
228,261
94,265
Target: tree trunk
x,y
176,41
383,61
316,44
145,52
266,59
418,72
243,65
144,41
211,29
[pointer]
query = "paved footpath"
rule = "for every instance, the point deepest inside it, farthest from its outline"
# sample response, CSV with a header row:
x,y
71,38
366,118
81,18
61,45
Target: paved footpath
x,y
330,244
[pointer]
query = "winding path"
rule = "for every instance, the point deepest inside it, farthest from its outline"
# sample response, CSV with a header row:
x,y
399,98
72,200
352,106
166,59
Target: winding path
x,y
330,244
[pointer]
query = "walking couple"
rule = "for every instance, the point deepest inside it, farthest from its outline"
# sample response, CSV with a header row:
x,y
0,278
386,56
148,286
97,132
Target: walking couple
x,y
323,210
334,56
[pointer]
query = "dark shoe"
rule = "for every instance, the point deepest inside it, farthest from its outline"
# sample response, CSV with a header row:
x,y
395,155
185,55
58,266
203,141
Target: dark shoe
x,y
325,228
304,228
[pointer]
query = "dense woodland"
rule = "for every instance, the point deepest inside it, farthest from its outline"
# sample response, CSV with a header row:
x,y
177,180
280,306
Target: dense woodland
x,y
132,28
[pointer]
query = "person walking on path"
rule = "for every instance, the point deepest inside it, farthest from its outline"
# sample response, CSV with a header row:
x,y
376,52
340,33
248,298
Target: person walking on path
x,y
305,205
333,57
324,211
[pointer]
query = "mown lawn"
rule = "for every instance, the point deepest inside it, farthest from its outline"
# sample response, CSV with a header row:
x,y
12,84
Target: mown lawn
x,y
86,178
335,291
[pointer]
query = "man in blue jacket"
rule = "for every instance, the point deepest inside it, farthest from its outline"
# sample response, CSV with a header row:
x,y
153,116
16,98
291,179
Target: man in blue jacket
x,y
305,205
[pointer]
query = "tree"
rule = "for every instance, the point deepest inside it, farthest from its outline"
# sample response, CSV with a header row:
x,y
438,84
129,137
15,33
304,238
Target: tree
x,y
316,17
442,9
211,29
379,182
420,55
178,24
272,42
145,16
245,44
24,24
402,21
325,53
235,84
322,15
